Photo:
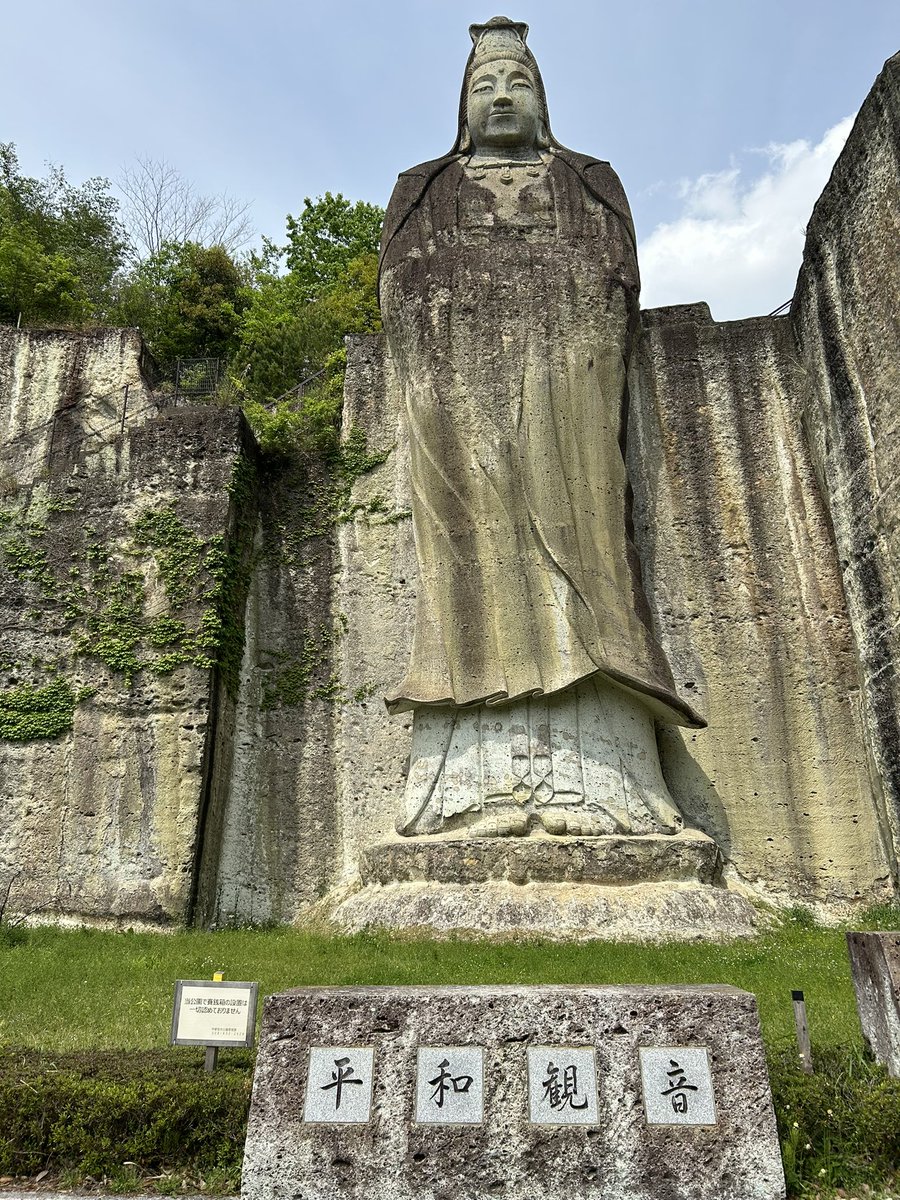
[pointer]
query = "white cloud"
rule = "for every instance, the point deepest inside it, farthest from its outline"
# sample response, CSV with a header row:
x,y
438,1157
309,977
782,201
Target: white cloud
x,y
739,239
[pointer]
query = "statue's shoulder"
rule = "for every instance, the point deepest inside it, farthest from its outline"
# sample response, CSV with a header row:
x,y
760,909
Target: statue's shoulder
x,y
408,191
428,170
602,182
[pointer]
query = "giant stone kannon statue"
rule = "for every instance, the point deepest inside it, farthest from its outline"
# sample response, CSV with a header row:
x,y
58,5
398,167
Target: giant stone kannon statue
x,y
509,296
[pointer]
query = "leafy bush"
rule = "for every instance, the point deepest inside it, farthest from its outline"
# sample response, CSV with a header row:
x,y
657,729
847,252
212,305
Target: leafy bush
x,y
306,296
60,245
839,1128
90,1113
187,300
307,423
108,1113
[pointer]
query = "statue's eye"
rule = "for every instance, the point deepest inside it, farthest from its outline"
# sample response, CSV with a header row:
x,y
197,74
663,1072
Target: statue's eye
x,y
483,87
522,83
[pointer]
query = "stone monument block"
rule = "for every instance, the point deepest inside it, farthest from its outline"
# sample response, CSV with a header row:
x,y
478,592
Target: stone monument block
x,y
644,1093
875,961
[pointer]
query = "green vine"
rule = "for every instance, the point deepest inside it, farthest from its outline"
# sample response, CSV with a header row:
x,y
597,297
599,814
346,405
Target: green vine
x,y
326,484
28,713
27,562
113,632
331,489
232,573
301,677
97,594
179,552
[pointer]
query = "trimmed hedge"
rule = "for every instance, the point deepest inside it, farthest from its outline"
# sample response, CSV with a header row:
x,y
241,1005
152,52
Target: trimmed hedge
x,y
90,1113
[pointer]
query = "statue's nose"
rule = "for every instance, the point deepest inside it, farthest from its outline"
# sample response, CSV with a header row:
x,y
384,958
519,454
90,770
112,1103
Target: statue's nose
x,y
502,100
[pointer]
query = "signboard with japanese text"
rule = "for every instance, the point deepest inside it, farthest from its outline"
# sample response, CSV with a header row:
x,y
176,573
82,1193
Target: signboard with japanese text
x,y
339,1085
214,1013
562,1085
677,1085
449,1085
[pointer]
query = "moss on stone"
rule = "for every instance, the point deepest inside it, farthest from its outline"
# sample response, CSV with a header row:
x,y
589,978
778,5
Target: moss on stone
x,y
94,591
28,713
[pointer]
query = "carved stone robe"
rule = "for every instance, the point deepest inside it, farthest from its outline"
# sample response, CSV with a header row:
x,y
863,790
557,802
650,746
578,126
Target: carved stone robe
x,y
510,310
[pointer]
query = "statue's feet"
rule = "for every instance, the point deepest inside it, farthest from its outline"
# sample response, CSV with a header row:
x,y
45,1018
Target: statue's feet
x,y
500,825
578,824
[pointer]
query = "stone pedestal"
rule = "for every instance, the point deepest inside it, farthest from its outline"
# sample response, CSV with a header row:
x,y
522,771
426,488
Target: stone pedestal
x,y
875,961
600,1093
651,888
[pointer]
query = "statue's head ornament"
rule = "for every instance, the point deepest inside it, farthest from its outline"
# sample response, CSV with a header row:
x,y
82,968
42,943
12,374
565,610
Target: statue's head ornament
x,y
499,38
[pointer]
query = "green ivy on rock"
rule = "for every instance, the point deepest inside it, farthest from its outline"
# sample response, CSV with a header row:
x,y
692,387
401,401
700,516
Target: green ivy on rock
x,y
28,713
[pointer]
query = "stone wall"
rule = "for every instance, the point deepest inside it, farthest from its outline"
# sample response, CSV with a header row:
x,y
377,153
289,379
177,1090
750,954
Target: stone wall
x,y
847,319
103,819
743,578
276,838
375,590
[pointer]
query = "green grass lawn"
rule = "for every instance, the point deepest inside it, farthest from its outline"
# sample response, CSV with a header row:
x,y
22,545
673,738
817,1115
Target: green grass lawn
x,y
85,989
66,995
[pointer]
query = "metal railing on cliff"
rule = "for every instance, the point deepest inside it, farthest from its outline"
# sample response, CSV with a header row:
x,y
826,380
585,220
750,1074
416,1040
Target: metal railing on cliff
x,y
195,380
192,381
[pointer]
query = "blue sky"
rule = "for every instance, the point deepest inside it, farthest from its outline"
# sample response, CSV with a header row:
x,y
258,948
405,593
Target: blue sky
x,y
722,119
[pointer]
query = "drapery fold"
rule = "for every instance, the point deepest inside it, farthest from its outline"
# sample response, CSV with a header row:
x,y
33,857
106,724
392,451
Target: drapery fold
x,y
510,323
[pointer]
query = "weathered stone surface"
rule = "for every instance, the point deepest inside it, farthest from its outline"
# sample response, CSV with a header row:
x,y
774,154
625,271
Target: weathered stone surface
x,y
106,820
875,962
845,314
744,582
604,860
646,912
375,590
618,1155
277,842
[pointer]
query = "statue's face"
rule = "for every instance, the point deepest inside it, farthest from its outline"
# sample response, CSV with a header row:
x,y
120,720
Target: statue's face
x,y
504,112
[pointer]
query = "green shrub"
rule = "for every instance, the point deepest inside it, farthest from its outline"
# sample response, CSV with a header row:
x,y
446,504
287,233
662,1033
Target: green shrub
x,y
92,1113
839,1128
124,1116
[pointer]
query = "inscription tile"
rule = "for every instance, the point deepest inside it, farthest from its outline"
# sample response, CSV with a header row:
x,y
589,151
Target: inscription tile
x,y
339,1085
677,1085
562,1085
450,1085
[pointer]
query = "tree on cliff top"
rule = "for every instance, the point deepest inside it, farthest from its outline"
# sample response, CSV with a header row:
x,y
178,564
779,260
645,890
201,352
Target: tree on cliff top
x,y
187,301
305,297
326,237
60,245
162,209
